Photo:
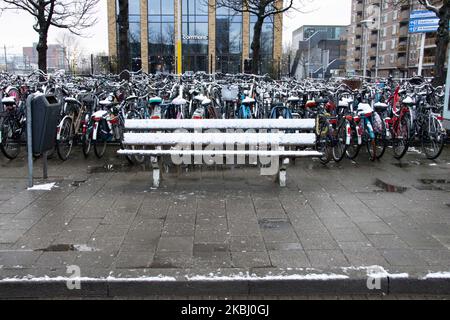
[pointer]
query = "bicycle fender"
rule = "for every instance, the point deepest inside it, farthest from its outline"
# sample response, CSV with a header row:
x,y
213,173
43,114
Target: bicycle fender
x,y
58,132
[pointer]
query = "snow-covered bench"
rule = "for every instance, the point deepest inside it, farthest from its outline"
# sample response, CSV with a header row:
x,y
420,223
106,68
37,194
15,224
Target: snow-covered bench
x,y
275,139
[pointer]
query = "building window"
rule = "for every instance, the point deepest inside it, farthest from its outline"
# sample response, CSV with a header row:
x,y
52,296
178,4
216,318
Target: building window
x,y
228,41
195,35
134,33
267,35
161,36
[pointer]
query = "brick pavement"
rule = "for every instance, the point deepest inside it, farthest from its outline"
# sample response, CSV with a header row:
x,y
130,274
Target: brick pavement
x,y
335,217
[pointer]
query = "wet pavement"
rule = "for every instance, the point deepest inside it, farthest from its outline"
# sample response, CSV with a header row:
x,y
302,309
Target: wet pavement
x,y
104,217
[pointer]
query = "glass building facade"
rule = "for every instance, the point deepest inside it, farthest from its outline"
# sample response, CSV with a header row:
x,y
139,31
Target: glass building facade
x,y
194,35
161,34
214,39
134,33
228,40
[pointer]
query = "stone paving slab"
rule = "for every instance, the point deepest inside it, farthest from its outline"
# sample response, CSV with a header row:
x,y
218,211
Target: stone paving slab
x,y
227,230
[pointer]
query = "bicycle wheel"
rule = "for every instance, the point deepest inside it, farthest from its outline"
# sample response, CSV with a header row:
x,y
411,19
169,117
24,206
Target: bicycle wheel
x,y
376,147
65,142
340,145
433,138
324,139
400,139
354,147
86,143
9,145
99,148
101,139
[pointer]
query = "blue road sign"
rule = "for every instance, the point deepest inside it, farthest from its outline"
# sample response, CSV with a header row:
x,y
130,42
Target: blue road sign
x,y
422,21
422,14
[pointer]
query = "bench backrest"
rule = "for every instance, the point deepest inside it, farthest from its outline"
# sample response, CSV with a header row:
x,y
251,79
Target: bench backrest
x,y
205,124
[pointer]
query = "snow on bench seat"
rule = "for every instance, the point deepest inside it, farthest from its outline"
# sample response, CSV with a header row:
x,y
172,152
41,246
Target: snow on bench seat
x,y
257,124
260,153
161,139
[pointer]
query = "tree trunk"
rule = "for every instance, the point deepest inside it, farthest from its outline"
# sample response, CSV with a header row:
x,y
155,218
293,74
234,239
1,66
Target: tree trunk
x,y
256,46
42,51
442,41
123,24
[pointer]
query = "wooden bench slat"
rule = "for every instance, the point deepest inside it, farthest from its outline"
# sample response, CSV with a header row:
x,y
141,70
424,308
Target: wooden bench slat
x,y
164,139
190,124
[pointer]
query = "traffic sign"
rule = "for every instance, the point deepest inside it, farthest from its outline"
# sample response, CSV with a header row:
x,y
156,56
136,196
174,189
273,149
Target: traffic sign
x,y
422,14
423,21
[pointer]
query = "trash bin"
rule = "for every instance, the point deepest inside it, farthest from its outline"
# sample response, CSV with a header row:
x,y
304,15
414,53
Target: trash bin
x,y
45,111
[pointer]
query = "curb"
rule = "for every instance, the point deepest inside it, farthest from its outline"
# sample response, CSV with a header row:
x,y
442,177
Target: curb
x,y
146,283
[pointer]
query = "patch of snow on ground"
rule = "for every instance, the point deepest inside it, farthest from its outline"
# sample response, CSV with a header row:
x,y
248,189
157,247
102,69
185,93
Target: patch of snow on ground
x,y
378,272
437,275
412,149
43,187
248,277
86,279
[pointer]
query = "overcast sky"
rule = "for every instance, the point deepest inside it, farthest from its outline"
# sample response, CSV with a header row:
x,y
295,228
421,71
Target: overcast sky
x,y
16,27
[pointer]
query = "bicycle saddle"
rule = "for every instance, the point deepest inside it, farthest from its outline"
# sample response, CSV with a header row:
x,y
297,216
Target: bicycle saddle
x,y
9,100
179,101
248,100
206,102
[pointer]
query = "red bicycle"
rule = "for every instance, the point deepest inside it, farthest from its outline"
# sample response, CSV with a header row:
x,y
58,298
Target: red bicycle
x,y
399,124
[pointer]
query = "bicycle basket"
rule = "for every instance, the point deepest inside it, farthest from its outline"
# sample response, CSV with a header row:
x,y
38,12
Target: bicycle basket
x,y
353,83
230,93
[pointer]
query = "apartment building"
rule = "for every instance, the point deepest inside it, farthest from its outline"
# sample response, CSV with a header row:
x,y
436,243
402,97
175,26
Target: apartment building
x,y
55,56
397,50
318,51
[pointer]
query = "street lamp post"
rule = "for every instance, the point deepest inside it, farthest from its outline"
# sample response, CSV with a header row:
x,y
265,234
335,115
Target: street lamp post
x,y
366,40
6,59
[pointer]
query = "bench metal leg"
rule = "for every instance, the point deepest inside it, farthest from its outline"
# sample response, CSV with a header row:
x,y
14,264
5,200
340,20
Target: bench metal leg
x,y
156,172
282,172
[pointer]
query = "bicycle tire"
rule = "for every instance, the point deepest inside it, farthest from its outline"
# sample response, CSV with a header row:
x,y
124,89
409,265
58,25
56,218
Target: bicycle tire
x,y
438,146
340,145
65,140
399,152
10,153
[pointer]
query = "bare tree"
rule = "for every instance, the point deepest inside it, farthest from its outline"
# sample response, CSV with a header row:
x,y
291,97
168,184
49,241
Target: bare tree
x,y
262,10
73,15
442,10
72,50
124,27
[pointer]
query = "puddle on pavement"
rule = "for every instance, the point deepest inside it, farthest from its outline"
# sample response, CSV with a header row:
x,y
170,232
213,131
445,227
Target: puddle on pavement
x,y
434,181
428,188
210,247
433,184
409,164
77,183
274,223
67,247
389,187
121,167
163,265
284,246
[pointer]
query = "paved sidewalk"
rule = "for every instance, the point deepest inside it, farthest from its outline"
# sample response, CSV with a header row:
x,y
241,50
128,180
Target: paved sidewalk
x,y
227,230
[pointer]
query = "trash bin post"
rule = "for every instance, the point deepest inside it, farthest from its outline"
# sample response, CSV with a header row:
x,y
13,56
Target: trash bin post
x,y
29,141
45,165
